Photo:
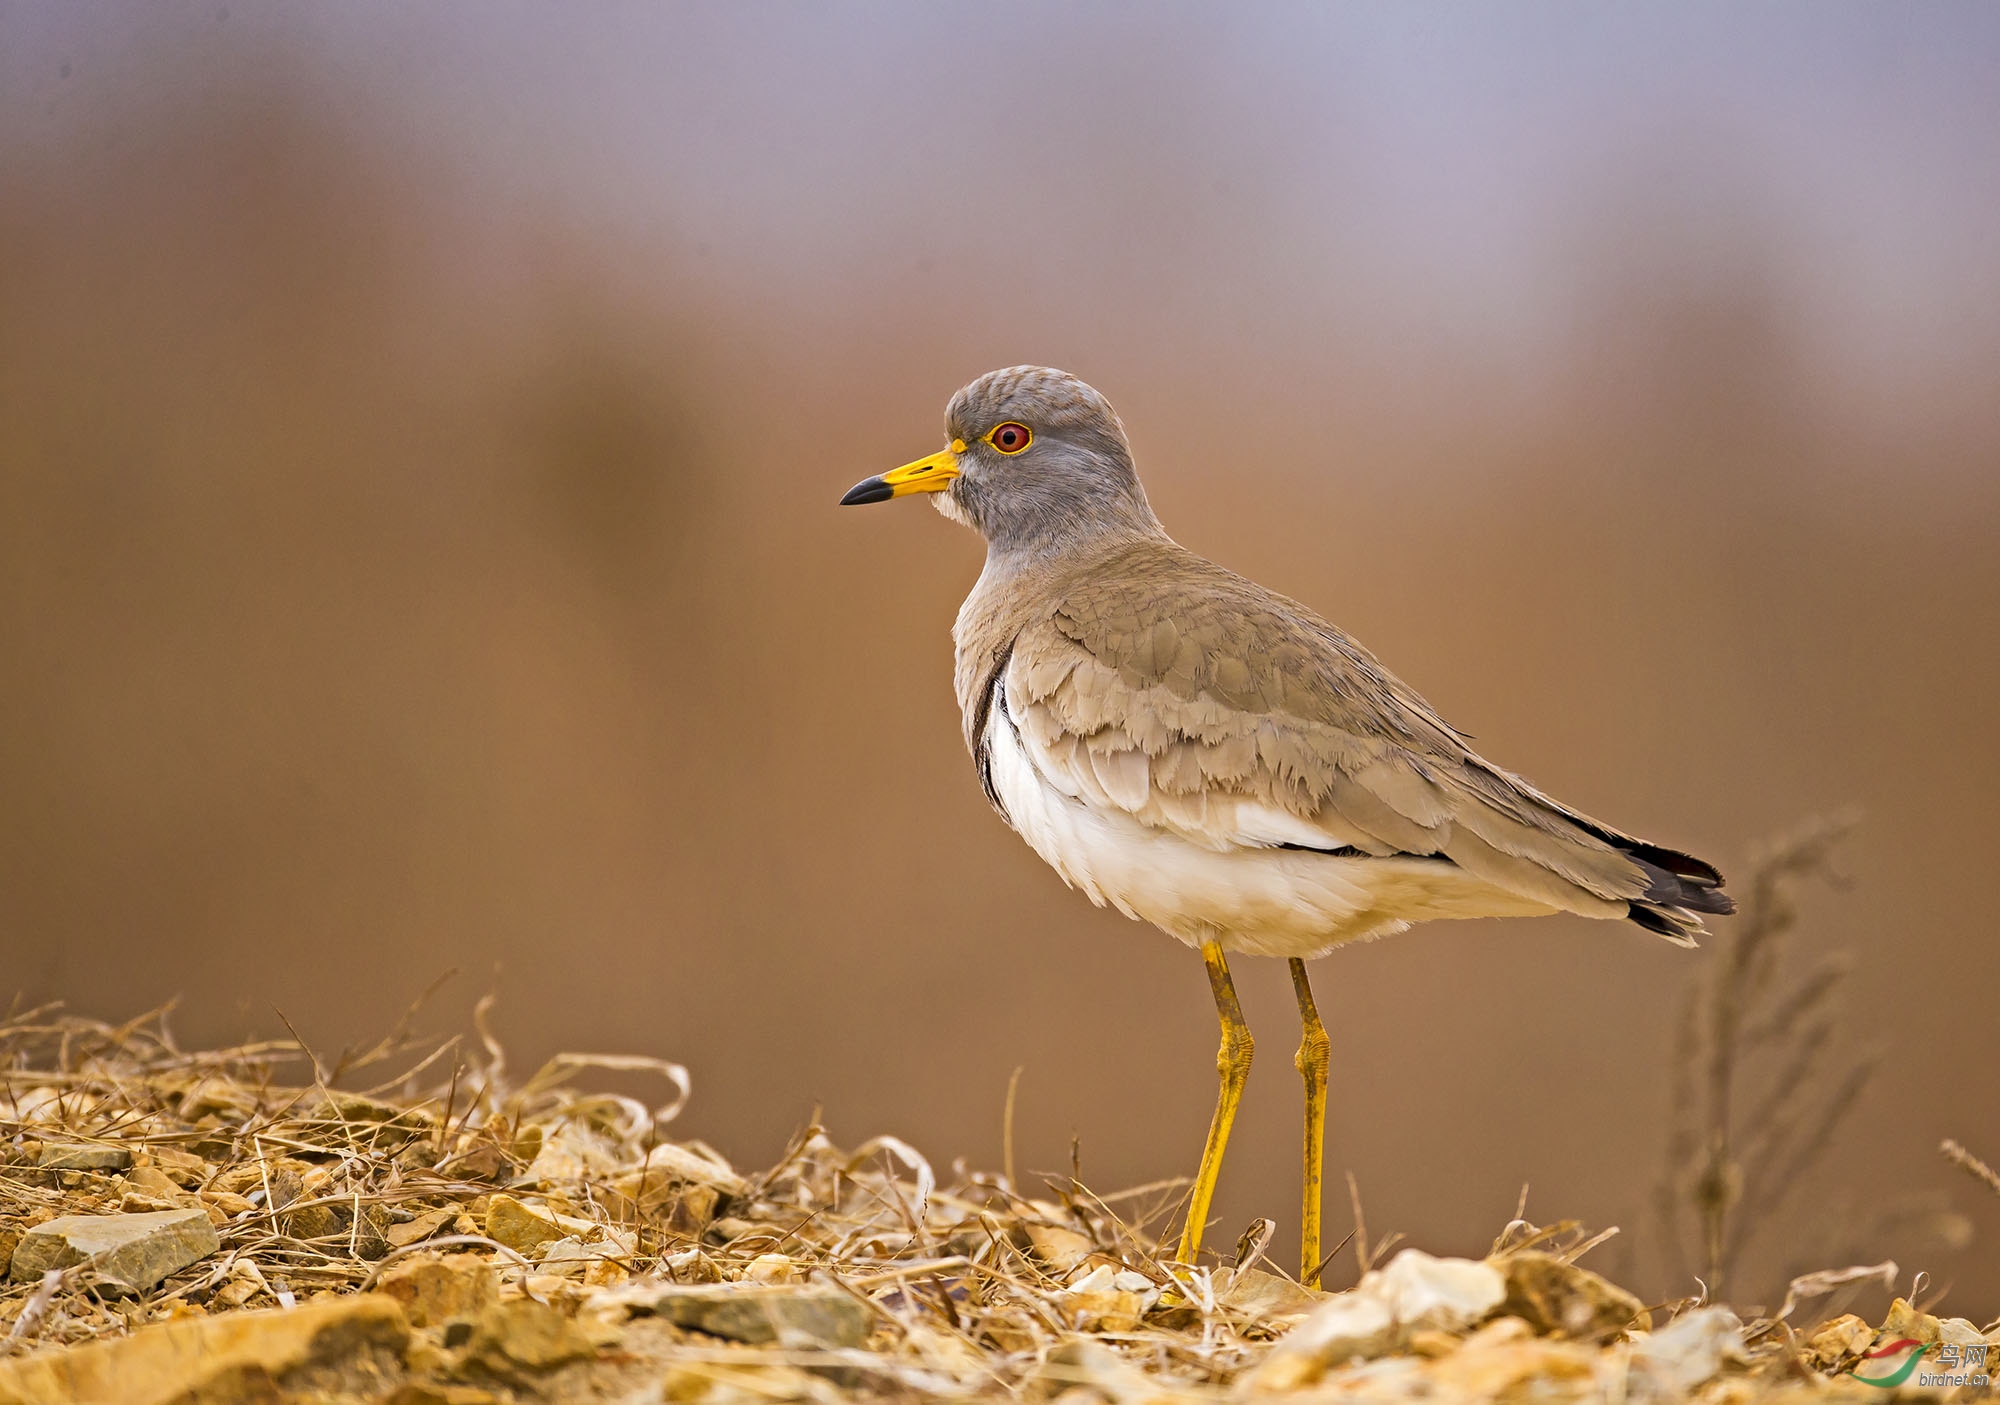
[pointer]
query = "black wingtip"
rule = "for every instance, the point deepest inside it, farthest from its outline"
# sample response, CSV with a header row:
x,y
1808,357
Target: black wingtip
x,y
1676,925
1680,890
1676,880
866,491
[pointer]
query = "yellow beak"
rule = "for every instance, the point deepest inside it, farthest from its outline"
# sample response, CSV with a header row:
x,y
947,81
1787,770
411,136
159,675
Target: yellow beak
x,y
931,475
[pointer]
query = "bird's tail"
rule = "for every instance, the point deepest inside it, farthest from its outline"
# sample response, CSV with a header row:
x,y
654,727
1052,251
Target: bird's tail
x,y
1680,890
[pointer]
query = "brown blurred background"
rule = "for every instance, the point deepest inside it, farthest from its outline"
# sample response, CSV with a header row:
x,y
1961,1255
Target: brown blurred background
x,y
419,435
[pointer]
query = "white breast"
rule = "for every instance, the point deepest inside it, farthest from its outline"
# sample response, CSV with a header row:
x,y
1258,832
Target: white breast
x,y
1261,900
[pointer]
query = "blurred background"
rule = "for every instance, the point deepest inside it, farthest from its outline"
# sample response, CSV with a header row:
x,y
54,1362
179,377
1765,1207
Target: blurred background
x,y
420,428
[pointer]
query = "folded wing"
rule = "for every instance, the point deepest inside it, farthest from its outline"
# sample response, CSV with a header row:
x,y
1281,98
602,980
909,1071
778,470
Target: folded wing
x,y
1203,704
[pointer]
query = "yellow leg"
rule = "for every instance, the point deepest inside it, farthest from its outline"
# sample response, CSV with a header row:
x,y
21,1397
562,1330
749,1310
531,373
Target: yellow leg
x,y
1232,1062
1311,1062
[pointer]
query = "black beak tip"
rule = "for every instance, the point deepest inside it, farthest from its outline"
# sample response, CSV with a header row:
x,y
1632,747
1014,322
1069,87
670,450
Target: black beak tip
x,y
866,491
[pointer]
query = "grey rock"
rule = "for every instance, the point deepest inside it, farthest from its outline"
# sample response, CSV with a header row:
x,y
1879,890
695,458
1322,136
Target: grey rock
x,y
1689,1350
1343,1327
759,1313
1552,1295
1415,1292
1083,1363
58,1157
136,1250
1447,1295
1258,1296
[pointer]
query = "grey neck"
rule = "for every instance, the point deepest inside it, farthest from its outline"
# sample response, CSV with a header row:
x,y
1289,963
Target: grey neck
x,y
1061,509
1058,544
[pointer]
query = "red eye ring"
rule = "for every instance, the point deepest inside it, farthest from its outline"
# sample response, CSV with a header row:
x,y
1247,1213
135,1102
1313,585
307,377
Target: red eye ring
x,y
1010,438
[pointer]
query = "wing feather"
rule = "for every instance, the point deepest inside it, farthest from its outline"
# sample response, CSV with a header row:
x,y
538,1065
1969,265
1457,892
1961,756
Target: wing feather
x,y
1200,703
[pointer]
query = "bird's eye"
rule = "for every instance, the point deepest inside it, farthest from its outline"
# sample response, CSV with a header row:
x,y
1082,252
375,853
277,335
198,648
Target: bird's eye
x,y
1010,438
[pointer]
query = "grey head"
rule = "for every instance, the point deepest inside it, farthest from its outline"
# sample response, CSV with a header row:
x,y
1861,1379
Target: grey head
x,y
1038,463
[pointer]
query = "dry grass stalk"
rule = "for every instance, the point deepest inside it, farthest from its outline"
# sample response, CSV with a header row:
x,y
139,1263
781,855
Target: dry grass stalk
x,y
1958,1156
1759,1086
1808,1286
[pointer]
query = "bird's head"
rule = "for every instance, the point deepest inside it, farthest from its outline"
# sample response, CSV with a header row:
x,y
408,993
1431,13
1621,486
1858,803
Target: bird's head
x,y
1037,460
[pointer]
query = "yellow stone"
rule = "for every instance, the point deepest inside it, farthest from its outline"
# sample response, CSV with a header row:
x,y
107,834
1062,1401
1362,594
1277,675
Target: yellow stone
x,y
202,1358
435,1291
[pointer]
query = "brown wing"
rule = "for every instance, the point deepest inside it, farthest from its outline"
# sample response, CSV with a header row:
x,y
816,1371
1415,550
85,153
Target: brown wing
x,y
1200,702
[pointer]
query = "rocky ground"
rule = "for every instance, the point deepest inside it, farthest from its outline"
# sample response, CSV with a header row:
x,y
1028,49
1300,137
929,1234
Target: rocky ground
x,y
226,1226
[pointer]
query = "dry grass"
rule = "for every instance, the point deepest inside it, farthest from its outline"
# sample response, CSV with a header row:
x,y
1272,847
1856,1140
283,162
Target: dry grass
x,y
974,1285
1958,1156
1761,1081
317,1190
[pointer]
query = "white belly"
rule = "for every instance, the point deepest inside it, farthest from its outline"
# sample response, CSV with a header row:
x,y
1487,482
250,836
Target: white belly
x,y
1258,900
